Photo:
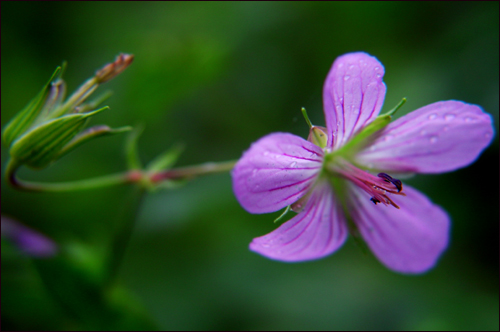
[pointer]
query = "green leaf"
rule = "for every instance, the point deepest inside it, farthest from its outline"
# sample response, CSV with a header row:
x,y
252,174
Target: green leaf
x,y
89,134
131,151
167,159
41,146
18,125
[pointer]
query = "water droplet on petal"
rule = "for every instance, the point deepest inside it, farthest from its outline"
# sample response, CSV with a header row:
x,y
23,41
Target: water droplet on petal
x,y
432,116
293,164
449,117
433,139
341,100
347,77
266,153
377,68
378,75
351,66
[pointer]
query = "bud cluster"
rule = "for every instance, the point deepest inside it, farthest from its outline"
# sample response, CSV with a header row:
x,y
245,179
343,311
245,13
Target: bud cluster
x,y
50,126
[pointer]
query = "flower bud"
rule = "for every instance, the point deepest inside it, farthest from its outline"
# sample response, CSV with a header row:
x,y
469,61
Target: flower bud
x,y
23,120
113,69
46,128
42,145
318,136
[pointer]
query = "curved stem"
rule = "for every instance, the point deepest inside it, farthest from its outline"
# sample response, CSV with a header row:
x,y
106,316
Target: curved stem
x,y
132,176
94,183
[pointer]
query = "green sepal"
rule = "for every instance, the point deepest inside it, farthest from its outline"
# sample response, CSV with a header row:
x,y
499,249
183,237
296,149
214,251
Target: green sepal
x,y
18,125
166,160
41,145
318,136
94,103
131,150
361,139
89,134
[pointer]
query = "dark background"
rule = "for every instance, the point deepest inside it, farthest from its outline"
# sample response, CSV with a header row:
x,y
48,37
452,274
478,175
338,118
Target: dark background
x,y
218,76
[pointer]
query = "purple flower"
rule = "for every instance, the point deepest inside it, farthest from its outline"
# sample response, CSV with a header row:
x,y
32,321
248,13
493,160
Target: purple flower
x,y
30,242
339,179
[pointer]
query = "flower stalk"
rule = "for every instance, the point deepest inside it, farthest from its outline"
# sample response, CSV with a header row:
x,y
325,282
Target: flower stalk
x,y
124,178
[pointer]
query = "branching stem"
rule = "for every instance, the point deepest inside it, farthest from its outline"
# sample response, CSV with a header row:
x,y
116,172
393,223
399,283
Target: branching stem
x,y
132,176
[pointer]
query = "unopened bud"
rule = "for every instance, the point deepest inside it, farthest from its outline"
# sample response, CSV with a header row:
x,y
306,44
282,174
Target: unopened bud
x,y
111,70
42,145
318,136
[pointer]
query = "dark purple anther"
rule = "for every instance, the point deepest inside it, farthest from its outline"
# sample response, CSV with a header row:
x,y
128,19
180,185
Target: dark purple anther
x,y
387,178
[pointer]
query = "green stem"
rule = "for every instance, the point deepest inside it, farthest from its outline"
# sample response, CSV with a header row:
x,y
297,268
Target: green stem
x,y
77,97
304,113
132,176
192,171
94,183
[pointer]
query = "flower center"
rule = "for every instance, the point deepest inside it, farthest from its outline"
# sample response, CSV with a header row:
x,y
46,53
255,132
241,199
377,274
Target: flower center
x,y
378,187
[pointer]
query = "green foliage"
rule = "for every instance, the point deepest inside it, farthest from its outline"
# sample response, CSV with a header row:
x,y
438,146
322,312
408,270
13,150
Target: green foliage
x,y
20,123
132,149
89,134
218,76
42,145
166,159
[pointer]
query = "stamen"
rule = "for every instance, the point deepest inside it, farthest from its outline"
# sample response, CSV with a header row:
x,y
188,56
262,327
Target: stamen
x,y
378,187
388,178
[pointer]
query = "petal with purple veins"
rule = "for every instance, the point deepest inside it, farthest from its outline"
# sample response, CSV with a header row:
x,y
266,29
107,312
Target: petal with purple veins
x,y
353,95
407,240
316,232
439,137
275,172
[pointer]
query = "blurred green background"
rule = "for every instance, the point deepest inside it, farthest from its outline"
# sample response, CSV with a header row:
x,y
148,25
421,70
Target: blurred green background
x,y
218,76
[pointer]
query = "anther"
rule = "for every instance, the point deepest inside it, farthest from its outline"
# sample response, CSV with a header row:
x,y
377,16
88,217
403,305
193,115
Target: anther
x,y
387,178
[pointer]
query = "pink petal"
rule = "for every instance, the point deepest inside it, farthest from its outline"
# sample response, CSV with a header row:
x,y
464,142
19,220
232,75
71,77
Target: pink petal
x,y
353,95
316,232
439,137
407,240
275,172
